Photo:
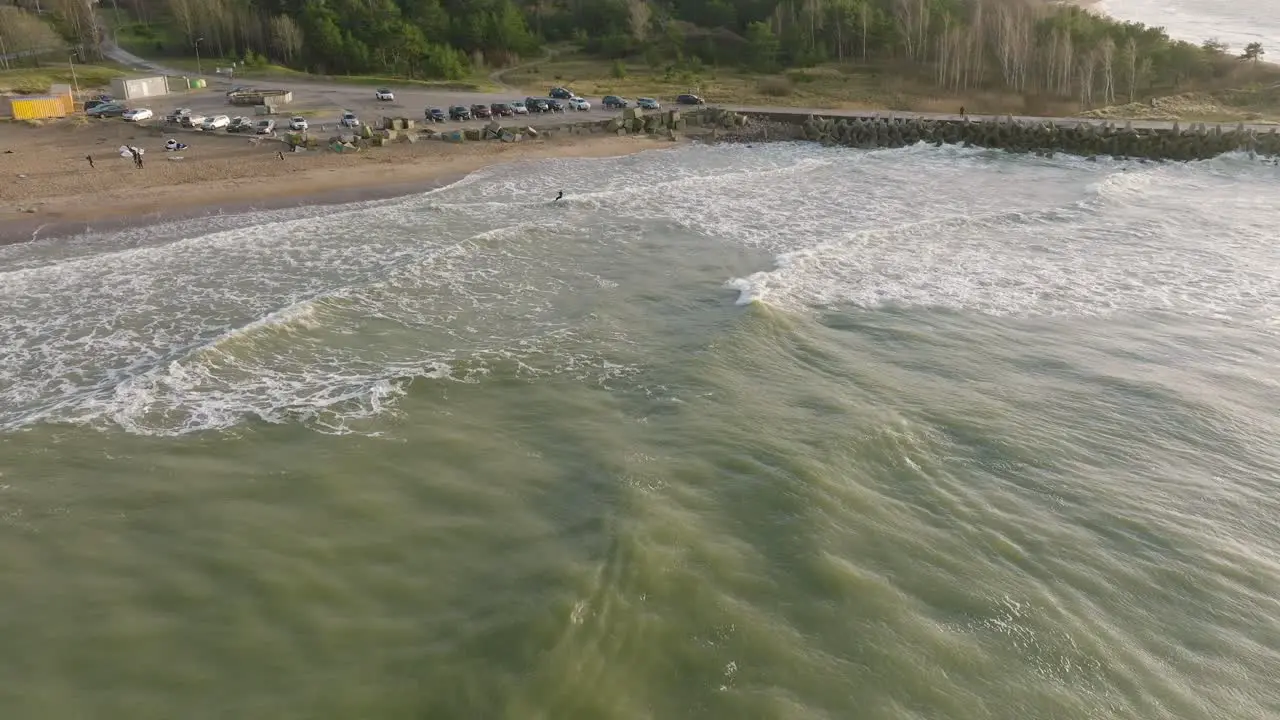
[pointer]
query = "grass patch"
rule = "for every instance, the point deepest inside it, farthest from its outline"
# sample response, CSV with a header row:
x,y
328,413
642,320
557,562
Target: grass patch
x,y
852,86
815,88
34,81
246,75
149,40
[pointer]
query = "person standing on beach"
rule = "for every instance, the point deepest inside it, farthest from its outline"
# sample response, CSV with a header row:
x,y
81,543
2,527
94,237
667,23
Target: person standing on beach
x,y
137,162
90,159
138,154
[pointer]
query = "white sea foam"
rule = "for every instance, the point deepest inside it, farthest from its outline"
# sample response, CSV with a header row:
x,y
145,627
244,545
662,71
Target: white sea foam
x,y
327,316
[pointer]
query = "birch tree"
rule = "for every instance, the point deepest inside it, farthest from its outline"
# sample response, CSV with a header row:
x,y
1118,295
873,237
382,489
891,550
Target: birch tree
x,y
639,15
1130,58
1106,56
286,38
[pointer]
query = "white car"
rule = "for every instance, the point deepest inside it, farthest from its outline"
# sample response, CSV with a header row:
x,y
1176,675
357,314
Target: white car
x,y
192,120
577,103
138,114
518,107
215,122
383,94
298,123
349,119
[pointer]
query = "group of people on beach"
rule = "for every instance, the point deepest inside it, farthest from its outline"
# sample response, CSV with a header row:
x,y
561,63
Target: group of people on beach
x,y
135,152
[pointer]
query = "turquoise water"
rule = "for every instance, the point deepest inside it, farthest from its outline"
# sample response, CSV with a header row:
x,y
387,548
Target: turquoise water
x,y
773,432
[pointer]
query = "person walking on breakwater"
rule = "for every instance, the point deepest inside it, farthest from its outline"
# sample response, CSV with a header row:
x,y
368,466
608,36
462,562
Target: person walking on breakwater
x,y
559,195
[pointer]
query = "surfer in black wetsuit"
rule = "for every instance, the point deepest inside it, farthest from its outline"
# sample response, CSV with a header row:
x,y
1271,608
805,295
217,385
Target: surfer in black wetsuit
x,y
559,195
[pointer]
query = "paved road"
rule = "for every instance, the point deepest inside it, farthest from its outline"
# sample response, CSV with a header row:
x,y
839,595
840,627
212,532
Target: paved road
x,y
323,102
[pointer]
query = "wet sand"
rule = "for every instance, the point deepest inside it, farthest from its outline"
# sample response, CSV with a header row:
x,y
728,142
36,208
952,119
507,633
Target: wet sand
x,y
49,188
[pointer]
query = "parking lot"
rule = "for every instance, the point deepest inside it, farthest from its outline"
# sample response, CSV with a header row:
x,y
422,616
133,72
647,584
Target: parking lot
x,y
323,103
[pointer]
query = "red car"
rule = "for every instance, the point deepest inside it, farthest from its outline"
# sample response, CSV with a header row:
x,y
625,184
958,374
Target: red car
x,y
502,110
481,111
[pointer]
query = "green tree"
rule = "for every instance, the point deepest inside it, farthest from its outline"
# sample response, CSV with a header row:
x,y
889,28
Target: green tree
x,y
763,46
1253,52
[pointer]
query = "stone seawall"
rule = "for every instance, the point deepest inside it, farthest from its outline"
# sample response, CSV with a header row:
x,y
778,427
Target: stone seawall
x,y
1042,137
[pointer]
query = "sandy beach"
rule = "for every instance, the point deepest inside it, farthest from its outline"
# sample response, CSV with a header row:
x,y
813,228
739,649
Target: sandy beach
x,y
50,187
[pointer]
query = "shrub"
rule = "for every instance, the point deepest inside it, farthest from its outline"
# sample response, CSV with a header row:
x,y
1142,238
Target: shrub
x,y
775,87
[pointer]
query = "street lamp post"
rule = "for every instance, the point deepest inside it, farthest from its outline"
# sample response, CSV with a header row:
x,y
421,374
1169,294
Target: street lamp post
x,y
199,69
74,82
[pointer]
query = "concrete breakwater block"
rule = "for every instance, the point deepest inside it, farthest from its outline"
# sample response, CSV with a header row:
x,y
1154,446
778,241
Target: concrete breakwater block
x,y
1005,133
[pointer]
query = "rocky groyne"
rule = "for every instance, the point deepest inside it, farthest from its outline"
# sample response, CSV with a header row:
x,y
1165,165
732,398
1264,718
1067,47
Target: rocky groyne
x,y
1042,137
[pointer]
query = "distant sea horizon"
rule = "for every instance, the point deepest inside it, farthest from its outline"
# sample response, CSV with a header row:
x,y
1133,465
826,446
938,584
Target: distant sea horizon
x,y
1236,24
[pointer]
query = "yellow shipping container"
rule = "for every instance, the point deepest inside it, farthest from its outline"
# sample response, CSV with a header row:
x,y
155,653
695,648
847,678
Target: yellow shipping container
x,y
37,108
63,93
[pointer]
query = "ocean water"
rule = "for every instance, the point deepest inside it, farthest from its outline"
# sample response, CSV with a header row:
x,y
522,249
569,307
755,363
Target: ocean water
x,y
1235,23
777,432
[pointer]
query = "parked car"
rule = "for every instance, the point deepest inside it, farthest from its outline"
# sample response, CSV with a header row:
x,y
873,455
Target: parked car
x,y
298,123
192,120
560,93
214,123
459,112
436,115
577,103
647,104
349,120
240,124
481,111
519,108
138,114
613,102
90,104
383,94
265,127
554,105
501,110
176,116
536,105
687,99
106,110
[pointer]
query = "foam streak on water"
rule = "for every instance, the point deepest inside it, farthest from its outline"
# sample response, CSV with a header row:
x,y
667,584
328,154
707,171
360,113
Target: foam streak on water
x,y
760,433
200,324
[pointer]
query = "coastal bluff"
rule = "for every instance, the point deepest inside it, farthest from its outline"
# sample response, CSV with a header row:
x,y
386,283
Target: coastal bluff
x,y
1144,140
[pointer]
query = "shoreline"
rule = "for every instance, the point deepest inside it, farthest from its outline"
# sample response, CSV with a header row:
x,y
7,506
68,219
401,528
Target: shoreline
x,y
21,231
60,199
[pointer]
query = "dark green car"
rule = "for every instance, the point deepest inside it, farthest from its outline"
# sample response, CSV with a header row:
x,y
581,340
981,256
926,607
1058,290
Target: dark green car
x,y
106,110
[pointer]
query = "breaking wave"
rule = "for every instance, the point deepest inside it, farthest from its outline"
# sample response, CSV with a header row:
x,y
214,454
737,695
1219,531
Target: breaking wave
x,y
326,316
